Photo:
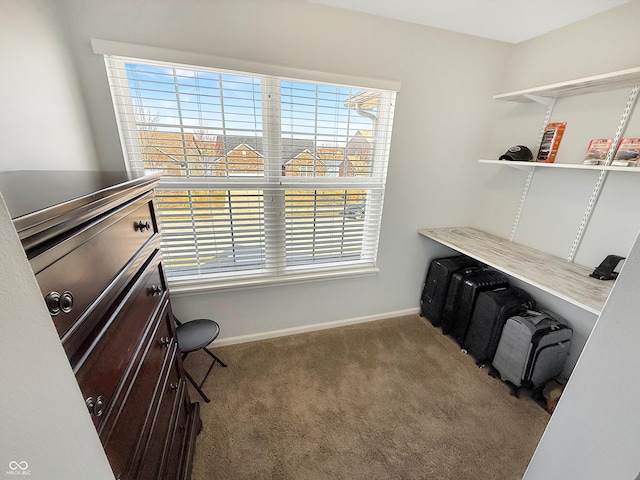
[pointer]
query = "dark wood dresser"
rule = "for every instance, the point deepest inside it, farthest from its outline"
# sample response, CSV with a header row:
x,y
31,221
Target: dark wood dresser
x,y
93,242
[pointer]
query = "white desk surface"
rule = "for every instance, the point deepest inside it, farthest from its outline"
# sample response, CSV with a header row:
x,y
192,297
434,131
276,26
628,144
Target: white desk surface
x,y
554,275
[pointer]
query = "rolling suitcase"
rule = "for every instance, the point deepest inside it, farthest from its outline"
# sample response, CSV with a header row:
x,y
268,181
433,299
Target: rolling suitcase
x,y
491,311
435,288
463,290
532,350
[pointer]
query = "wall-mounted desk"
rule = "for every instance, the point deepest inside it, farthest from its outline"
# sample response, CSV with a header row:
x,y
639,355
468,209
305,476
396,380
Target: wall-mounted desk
x,y
565,280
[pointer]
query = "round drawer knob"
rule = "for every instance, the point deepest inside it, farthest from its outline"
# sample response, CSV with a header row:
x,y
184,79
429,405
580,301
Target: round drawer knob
x,y
156,290
95,406
174,386
144,225
165,341
53,302
66,302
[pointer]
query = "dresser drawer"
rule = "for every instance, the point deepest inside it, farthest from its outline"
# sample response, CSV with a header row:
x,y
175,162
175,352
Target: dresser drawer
x,y
76,272
80,338
101,371
124,432
176,457
158,450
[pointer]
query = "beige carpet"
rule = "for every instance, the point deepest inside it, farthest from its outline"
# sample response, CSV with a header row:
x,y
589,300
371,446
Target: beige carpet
x,y
393,399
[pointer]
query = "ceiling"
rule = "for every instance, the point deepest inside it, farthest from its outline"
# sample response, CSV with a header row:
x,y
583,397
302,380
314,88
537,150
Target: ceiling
x,y
510,21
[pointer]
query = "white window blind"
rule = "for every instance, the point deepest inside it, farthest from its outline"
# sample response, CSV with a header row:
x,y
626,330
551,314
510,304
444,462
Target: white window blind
x,y
263,177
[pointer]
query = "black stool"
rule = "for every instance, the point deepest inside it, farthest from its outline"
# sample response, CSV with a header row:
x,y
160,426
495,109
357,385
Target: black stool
x,y
196,335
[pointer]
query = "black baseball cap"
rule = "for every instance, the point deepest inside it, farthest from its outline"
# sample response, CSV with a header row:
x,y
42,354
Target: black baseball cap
x,y
517,153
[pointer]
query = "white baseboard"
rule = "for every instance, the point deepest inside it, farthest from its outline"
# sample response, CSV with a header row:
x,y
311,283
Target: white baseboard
x,y
311,328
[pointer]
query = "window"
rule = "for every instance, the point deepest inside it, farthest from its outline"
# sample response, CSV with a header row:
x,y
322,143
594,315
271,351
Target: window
x,y
263,177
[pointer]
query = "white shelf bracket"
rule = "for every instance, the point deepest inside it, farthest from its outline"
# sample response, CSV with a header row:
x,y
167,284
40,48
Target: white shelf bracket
x,y
523,199
546,101
524,168
595,194
527,183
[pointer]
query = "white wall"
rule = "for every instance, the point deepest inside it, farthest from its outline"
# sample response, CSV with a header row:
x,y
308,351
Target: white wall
x,y
557,199
441,126
44,420
599,44
42,119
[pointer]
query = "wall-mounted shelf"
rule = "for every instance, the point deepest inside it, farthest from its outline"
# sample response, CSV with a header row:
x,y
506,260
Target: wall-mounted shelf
x,y
575,166
596,83
547,95
562,279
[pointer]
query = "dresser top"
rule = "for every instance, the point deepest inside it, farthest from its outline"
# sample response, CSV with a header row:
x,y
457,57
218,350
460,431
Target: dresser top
x,y
37,199
28,191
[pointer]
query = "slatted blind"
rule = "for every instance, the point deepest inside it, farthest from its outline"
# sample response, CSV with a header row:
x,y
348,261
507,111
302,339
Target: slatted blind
x,y
262,175
211,231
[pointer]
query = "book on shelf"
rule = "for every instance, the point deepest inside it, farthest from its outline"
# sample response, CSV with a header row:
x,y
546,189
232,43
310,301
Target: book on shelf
x,y
627,153
550,142
597,151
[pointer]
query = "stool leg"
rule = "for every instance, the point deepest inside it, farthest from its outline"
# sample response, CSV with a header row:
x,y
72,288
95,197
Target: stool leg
x,y
215,359
193,382
196,386
207,374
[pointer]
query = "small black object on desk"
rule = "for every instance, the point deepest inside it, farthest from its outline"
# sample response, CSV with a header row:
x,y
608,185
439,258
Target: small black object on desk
x,y
605,271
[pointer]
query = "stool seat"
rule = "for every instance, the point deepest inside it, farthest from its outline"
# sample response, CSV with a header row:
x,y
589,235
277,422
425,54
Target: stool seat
x,y
196,334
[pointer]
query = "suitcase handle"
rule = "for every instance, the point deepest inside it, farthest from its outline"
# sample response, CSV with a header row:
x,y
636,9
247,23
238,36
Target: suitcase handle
x,y
534,316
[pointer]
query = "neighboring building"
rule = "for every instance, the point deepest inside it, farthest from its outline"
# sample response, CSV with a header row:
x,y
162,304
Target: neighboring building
x,y
360,145
204,154
354,166
305,164
175,153
241,160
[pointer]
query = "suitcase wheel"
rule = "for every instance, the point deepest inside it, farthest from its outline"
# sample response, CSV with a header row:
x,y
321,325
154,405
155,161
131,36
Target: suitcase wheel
x,y
513,390
493,373
481,364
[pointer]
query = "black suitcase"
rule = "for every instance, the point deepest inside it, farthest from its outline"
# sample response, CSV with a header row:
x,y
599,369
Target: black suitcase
x,y
463,290
490,313
434,292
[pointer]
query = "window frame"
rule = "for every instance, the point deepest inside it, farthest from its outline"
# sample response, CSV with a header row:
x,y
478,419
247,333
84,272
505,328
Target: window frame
x,y
273,184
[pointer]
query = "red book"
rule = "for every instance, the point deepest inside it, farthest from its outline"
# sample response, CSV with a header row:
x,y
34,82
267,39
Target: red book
x,y
628,153
550,141
597,151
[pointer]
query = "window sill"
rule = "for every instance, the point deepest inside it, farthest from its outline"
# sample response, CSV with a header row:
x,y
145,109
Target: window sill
x,y
205,285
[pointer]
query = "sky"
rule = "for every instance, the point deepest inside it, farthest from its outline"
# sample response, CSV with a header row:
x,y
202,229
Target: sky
x,y
232,104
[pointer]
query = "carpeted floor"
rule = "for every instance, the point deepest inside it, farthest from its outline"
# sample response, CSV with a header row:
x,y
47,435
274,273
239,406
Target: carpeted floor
x,y
393,399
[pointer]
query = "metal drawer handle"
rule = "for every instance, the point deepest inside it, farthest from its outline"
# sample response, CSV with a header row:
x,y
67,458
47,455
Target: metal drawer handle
x,y
144,225
155,290
165,341
57,303
95,407
53,302
174,386
66,302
